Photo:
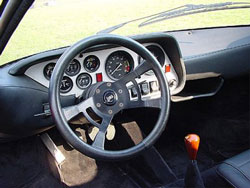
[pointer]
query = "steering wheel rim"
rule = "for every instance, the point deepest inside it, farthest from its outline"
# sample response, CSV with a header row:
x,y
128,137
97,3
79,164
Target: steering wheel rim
x,y
58,112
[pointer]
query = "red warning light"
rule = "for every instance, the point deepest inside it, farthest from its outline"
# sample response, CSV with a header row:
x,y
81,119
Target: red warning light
x,y
167,68
99,77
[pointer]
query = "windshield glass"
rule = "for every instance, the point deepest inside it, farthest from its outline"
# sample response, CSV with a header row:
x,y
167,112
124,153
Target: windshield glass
x,y
51,24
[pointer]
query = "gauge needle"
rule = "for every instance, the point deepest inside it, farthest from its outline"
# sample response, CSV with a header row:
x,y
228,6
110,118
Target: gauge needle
x,y
116,69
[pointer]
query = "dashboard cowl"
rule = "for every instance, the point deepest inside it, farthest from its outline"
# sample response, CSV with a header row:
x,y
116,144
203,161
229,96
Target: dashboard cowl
x,y
167,42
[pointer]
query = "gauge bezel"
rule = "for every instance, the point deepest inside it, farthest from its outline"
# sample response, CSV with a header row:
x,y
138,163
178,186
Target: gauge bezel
x,y
154,46
85,60
44,73
150,72
70,88
80,87
128,56
78,68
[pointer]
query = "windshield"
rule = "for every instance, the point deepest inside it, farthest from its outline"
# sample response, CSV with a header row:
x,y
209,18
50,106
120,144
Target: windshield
x,y
51,24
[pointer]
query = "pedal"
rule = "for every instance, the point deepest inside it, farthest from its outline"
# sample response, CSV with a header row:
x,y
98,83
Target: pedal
x,y
55,152
92,132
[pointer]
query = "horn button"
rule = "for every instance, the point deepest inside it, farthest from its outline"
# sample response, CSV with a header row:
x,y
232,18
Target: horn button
x,y
110,98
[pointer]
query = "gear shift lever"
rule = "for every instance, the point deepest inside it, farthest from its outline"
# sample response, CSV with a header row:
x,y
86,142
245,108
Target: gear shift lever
x,y
192,142
193,176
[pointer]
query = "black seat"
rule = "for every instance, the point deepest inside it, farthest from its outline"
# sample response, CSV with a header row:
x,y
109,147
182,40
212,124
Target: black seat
x,y
236,170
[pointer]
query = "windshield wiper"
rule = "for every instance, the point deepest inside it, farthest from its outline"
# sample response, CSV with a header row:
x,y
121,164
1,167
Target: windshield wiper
x,y
184,10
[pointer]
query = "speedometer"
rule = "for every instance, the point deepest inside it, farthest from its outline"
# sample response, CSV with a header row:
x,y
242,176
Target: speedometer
x,y
118,64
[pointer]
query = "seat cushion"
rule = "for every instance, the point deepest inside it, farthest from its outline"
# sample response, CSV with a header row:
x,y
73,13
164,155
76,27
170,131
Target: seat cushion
x,y
236,170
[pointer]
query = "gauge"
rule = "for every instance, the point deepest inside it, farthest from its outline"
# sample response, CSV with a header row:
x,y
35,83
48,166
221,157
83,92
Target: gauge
x,y
91,63
118,64
48,69
157,52
83,81
66,84
73,68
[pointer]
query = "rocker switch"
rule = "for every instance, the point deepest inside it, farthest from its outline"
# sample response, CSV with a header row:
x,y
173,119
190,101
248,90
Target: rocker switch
x,y
133,92
145,88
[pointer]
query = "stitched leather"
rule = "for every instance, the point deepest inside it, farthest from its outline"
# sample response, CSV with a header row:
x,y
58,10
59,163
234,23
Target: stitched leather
x,y
236,170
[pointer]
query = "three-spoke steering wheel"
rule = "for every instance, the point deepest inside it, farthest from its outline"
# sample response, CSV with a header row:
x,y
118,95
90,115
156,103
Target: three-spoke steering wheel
x,y
108,98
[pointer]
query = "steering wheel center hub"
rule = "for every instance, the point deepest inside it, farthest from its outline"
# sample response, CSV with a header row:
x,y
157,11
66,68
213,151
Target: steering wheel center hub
x,y
110,98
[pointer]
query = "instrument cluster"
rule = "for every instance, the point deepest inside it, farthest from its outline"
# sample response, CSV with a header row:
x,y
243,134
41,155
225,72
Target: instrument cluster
x,y
106,65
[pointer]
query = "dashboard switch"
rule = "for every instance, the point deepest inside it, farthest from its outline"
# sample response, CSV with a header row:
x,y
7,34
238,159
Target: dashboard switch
x,y
144,88
172,83
99,77
46,111
153,86
133,92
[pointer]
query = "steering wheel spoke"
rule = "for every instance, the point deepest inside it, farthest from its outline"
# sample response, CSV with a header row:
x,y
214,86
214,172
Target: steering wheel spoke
x,y
72,111
139,70
99,140
149,103
152,103
142,68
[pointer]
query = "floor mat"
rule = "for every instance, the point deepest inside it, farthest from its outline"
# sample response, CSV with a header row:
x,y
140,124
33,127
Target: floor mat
x,y
80,171
24,163
27,163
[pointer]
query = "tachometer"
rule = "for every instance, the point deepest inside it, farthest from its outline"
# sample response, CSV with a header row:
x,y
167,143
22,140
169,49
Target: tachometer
x,y
48,69
91,63
118,64
73,68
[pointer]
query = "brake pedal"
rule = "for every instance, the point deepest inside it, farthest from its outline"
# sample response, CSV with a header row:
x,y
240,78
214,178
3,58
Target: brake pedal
x,y
55,152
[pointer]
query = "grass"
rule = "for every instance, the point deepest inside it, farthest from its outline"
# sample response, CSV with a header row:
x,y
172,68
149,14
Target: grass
x,y
49,27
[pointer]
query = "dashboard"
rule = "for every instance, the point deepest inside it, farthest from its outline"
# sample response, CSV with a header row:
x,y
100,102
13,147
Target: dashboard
x,y
24,83
107,65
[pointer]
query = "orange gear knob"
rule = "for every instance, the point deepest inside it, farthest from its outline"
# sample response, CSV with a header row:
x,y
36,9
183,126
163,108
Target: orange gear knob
x,y
192,142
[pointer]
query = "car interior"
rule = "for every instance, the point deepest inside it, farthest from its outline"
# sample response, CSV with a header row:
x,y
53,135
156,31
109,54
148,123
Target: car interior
x,y
164,109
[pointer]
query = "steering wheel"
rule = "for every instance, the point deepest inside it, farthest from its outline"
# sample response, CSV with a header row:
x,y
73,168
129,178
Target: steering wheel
x,y
108,98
